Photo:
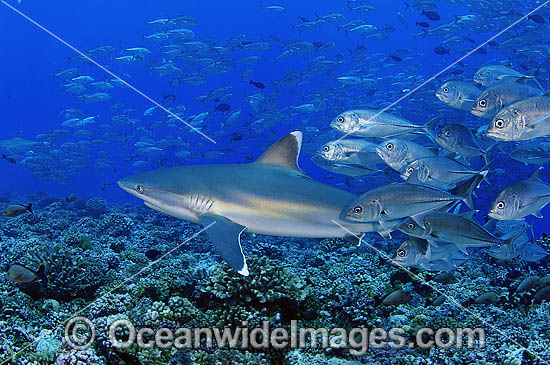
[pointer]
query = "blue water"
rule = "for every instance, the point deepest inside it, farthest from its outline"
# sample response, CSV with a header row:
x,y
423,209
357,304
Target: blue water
x,y
31,98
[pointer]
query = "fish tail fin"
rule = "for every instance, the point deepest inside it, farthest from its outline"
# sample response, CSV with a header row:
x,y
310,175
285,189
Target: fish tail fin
x,y
512,237
430,126
29,208
489,153
484,172
41,273
4,157
466,189
406,6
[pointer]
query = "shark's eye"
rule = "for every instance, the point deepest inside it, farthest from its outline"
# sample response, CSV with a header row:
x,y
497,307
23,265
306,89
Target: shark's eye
x,y
410,226
340,119
447,133
499,123
401,253
482,103
500,205
140,189
325,148
358,209
389,146
445,89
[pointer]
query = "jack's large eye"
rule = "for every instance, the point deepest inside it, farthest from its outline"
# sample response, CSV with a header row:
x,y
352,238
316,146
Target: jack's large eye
x,y
445,89
500,205
480,74
410,170
401,253
499,123
358,209
340,119
447,133
410,226
325,148
140,189
389,146
482,103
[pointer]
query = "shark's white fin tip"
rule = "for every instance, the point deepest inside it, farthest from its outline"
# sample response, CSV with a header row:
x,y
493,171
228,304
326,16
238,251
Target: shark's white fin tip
x,y
298,136
244,271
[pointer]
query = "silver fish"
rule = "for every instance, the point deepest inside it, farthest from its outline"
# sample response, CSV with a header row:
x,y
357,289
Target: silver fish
x,y
488,75
523,198
439,171
458,94
459,230
348,169
437,256
398,153
402,200
501,95
376,124
458,139
350,151
523,120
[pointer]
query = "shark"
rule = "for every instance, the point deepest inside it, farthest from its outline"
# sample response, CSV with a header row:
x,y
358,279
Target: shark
x,y
270,196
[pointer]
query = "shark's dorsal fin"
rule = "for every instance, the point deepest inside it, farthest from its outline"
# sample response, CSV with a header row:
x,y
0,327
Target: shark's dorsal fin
x,y
284,152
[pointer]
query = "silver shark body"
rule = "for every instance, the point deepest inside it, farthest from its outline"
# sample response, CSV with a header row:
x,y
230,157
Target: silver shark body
x,y
270,196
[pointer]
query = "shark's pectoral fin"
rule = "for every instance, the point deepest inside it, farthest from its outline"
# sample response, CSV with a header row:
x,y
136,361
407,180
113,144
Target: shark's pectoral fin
x,y
226,238
355,238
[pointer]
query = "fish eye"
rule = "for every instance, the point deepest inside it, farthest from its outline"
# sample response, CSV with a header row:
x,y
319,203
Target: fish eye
x,y
325,148
410,226
401,253
499,123
445,89
340,119
480,74
358,209
482,103
140,189
389,146
500,205
447,133
410,170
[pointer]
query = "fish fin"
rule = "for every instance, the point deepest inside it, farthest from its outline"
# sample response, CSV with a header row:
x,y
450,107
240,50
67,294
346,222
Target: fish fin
x,y
355,238
29,208
463,249
226,238
430,126
420,244
538,214
468,100
469,215
465,190
419,219
511,237
284,152
538,121
385,234
536,174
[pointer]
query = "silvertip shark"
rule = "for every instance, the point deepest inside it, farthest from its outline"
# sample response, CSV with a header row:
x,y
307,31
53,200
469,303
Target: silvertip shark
x,y
270,196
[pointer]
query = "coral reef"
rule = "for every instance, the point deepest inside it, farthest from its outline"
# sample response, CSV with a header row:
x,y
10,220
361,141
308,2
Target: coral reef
x,y
101,262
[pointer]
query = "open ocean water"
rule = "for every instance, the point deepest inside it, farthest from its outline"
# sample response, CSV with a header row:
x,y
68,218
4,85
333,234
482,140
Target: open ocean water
x,y
325,182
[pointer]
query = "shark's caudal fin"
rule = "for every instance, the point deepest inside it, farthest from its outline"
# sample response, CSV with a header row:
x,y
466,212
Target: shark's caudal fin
x,y
284,152
226,238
